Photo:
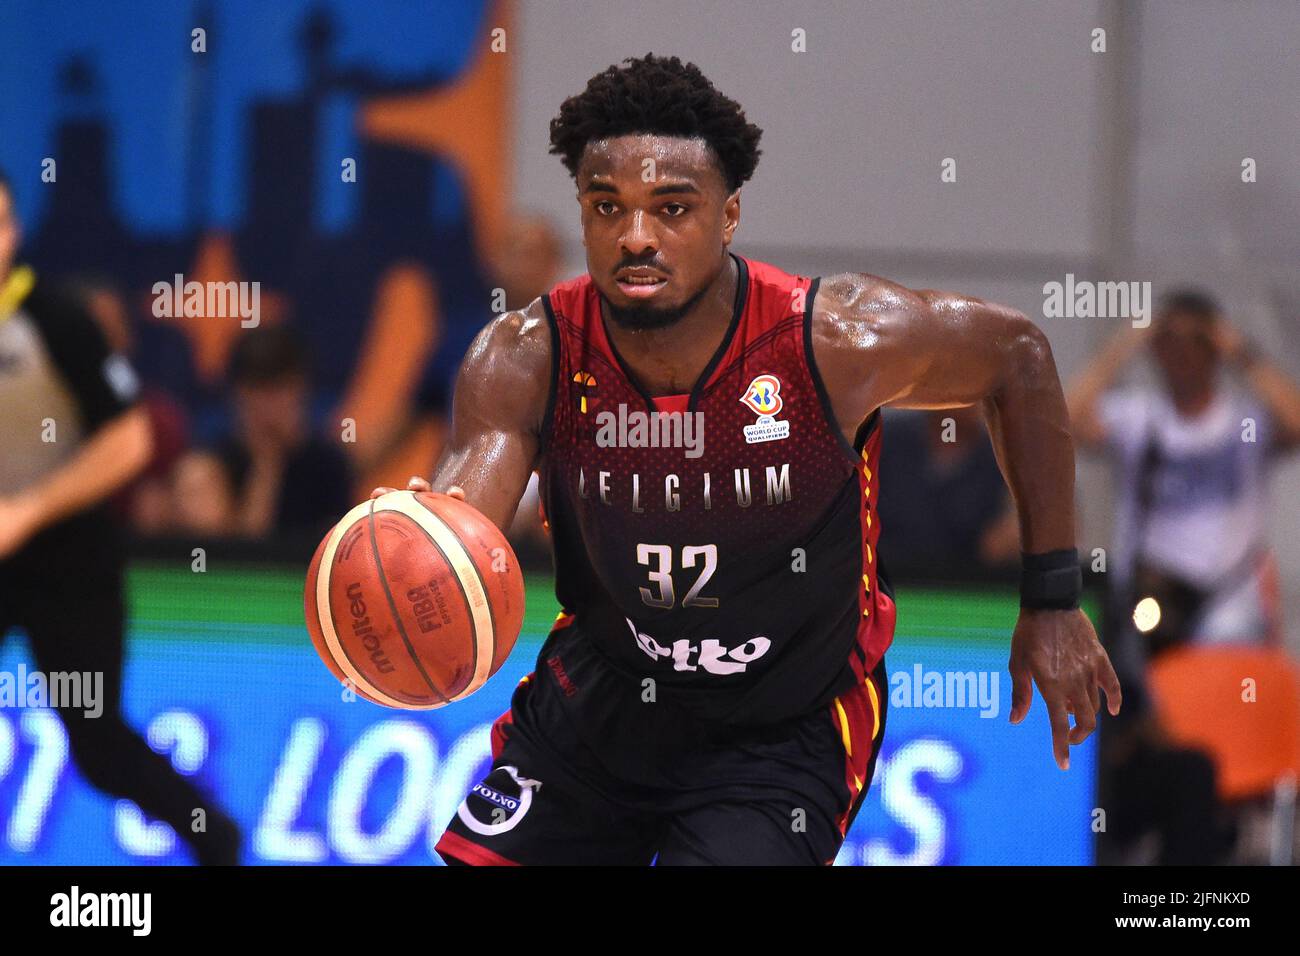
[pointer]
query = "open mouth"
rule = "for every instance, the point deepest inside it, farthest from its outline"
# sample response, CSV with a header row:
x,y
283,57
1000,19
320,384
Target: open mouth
x,y
640,286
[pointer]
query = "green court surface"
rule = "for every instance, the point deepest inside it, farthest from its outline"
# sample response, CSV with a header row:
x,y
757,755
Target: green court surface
x,y
263,603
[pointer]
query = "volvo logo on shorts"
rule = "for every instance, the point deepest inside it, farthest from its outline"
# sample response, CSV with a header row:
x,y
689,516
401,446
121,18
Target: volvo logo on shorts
x,y
495,796
498,802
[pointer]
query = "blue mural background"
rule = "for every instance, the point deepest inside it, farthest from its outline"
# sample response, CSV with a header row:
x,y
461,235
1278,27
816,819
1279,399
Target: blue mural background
x,y
157,146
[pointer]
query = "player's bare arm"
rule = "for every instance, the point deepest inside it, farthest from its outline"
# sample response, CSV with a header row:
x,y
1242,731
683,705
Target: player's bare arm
x,y
497,412
880,344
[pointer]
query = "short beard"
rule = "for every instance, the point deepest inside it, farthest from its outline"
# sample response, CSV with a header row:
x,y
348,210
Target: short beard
x,y
643,317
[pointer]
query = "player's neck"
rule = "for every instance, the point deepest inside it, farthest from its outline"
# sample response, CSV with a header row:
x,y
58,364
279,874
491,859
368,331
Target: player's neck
x,y
669,360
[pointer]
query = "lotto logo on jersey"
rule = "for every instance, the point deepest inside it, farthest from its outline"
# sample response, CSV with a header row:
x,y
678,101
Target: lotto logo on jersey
x,y
710,656
764,399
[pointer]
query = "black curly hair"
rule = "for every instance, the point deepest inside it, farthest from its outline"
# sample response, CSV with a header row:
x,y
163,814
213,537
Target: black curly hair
x,y
663,96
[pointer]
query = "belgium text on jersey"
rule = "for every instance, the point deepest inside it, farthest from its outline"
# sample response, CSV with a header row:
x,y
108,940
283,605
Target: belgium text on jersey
x,y
66,690
778,489
134,910
651,430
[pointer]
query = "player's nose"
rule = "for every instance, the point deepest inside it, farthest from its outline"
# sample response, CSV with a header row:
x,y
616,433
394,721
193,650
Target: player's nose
x,y
639,237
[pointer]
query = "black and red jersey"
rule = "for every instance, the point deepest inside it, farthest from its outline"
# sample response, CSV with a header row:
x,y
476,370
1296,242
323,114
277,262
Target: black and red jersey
x,y
721,542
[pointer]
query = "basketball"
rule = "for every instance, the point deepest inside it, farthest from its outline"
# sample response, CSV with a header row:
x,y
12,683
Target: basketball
x,y
414,599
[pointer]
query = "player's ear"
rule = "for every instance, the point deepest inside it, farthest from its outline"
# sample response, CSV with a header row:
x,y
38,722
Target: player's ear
x,y
730,215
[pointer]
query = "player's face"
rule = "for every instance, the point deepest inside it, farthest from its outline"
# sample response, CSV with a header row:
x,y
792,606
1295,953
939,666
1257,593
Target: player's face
x,y
656,222
9,232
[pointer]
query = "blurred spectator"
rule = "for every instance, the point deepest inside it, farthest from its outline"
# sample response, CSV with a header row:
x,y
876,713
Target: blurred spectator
x,y
144,504
203,496
400,393
1192,460
528,260
525,264
278,475
943,502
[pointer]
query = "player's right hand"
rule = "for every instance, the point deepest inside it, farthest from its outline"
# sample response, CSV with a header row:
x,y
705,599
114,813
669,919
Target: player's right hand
x,y
1059,651
416,483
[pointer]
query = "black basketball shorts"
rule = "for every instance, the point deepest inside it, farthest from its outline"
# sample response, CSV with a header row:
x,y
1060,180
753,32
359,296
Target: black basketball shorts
x,y
583,772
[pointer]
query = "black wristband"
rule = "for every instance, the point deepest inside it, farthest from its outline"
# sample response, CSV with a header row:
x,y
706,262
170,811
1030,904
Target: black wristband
x,y
1051,580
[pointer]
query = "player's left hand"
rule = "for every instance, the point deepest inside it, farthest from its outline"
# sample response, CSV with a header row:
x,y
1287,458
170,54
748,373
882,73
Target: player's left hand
x,y
19,520
1059,650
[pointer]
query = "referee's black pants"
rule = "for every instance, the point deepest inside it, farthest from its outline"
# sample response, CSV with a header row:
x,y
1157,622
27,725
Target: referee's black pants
x,y
65,589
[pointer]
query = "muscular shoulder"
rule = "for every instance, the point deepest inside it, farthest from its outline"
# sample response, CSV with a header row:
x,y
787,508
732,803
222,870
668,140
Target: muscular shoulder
x,y
855,311
859,312
873,339
518,340
509,365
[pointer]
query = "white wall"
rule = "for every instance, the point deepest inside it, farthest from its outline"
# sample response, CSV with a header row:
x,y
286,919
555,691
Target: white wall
x,y
1123,165
856,127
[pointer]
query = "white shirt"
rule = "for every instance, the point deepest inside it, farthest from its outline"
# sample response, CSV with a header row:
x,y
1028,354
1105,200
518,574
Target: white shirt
x,y
1208,493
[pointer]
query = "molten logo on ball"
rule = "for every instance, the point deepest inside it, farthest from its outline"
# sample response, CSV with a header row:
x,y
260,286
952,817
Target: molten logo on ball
x,y
362,630
414,600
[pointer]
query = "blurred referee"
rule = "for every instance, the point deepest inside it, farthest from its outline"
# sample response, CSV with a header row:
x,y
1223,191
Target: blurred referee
x,y
61,558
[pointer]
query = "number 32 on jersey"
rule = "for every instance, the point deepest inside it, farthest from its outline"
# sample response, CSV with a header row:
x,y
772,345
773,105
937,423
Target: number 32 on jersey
x,y
660,559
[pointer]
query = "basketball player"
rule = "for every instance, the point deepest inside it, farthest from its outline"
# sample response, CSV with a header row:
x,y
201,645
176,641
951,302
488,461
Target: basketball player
x,y
714,690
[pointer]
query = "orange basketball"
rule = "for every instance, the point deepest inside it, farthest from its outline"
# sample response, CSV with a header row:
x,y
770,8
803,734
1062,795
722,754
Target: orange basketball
x,y
415,599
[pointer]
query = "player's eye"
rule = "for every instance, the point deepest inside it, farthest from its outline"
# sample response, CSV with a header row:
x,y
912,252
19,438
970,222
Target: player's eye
x,y
675,209
604,207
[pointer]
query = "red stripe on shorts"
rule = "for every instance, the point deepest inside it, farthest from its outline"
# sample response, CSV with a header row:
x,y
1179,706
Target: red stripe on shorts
x,y
453,844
